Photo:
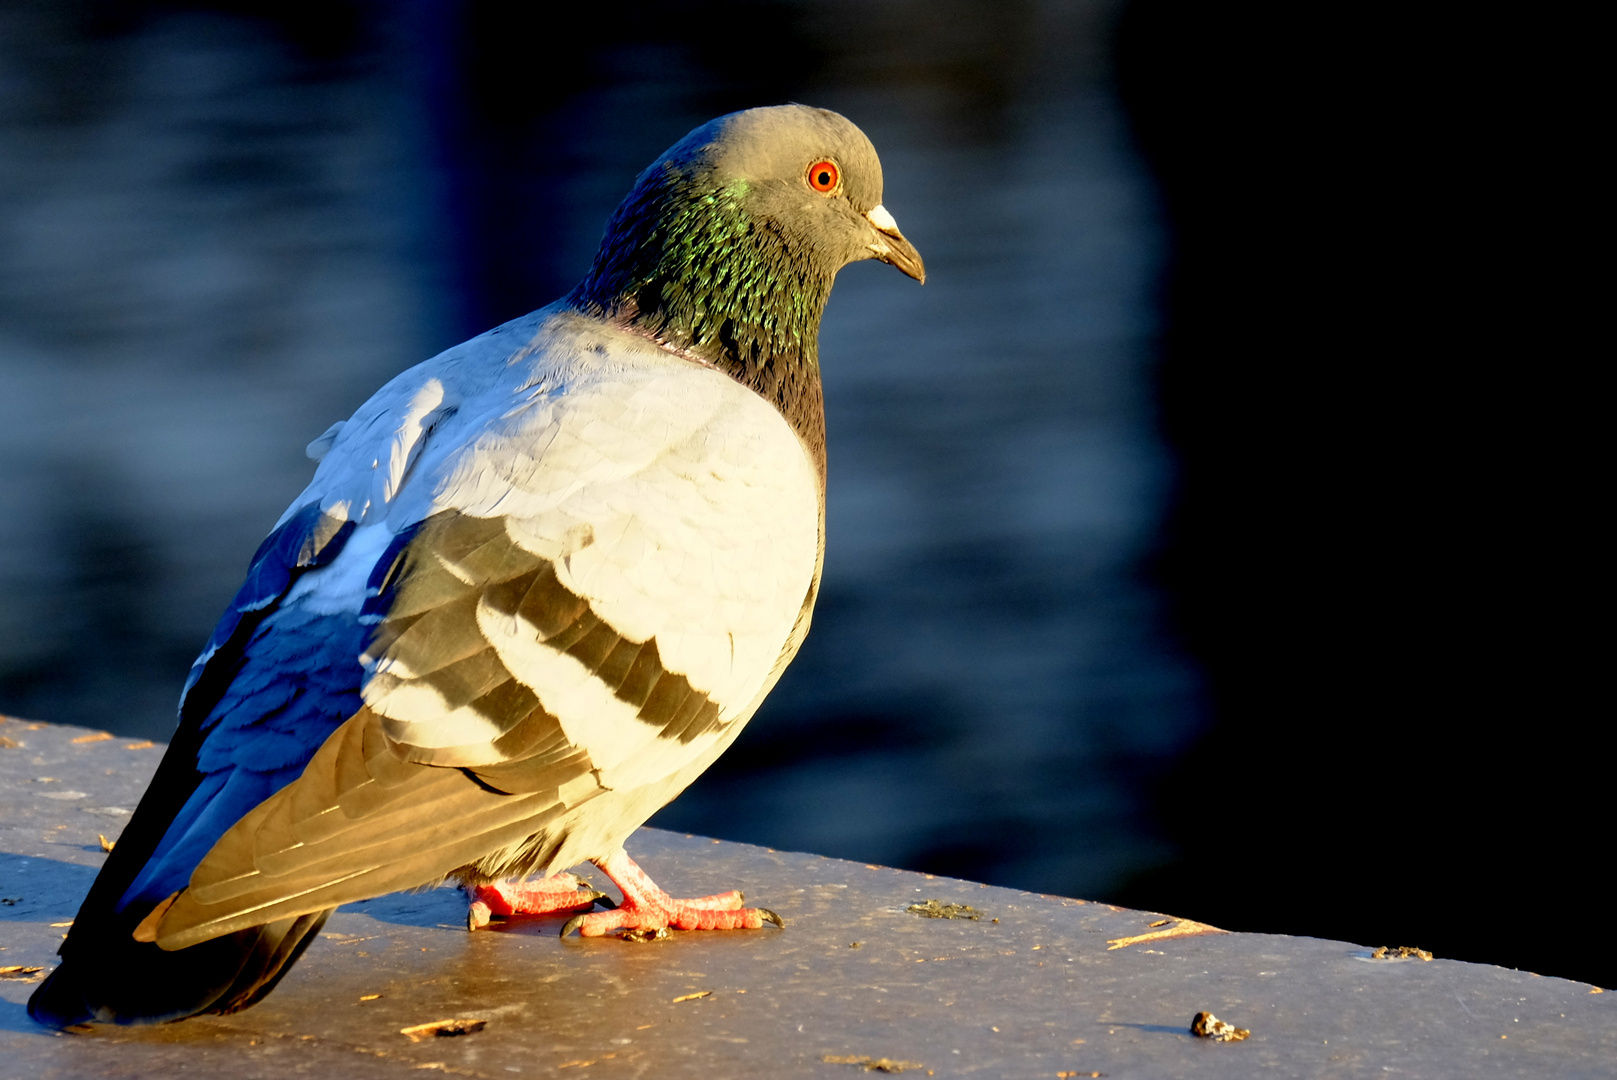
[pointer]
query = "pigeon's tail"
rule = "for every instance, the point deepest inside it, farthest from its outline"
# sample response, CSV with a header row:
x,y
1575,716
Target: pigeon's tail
x,y
113,979
107,976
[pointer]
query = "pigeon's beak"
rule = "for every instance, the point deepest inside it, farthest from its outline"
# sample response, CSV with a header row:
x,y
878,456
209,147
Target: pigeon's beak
x,y
891,247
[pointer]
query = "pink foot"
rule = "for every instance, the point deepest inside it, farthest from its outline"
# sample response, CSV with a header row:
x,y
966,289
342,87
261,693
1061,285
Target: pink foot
x,y
546,896
647,909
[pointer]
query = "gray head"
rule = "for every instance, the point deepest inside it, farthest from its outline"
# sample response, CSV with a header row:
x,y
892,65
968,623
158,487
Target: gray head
x,y
811,173
727,246
778,199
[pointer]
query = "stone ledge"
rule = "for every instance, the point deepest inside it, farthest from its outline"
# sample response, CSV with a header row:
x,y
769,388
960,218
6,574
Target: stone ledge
x,y
1055,987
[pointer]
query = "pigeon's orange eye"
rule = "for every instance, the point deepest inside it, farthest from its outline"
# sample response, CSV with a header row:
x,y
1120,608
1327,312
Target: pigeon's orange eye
x,y
823,176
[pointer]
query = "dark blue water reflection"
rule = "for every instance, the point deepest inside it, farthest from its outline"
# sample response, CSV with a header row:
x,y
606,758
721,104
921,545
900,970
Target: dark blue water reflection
x,y
219,232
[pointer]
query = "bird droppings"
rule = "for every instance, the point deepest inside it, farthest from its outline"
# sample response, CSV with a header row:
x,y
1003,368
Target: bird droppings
x,y
1402,952
885,1065
443,1029
931,909
1207,1026
661,933
692,997
21,973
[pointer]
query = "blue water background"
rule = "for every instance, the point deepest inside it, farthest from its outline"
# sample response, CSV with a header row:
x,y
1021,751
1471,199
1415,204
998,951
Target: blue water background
x,y
220,231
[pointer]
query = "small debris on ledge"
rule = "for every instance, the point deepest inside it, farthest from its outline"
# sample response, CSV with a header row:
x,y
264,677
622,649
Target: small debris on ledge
x,y
1162,930
1207,1026
443,1029
931,909
21,972
885,1065
1402,952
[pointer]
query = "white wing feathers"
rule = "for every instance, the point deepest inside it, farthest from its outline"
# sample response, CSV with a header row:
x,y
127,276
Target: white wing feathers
x,y
676,502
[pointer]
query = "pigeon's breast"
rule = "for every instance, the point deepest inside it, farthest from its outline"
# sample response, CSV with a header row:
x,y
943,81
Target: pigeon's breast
x,y
655,535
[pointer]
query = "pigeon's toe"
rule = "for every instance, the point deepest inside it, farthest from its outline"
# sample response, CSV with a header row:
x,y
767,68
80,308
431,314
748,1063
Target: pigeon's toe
x,y
646,908
547,896
671,915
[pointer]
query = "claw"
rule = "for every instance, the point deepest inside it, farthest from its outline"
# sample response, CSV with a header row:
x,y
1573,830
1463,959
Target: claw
x,y
769,916
477,915
572,924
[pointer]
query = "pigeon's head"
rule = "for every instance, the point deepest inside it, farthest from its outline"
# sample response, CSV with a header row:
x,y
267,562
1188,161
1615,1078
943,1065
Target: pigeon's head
x,y
729,242
808,173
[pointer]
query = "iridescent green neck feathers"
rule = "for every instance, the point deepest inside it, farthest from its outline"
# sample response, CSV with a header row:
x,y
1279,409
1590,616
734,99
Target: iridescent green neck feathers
x,y
687,262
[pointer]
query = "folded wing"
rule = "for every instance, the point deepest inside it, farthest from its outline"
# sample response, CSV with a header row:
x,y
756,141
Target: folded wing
x,y
597,589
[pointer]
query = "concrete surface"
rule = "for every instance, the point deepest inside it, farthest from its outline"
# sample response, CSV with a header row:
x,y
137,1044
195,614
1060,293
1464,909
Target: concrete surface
x,y
854,981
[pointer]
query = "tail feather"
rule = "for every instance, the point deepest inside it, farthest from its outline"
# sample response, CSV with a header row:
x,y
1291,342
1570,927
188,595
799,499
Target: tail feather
x,y
268,965
117,980
105,974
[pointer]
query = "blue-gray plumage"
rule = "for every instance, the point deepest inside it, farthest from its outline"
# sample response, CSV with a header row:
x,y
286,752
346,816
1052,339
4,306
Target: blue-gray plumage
x,y
294,679
537,585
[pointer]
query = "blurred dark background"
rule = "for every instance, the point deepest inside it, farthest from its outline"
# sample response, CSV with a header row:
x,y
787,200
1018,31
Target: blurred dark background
x,y
1206,535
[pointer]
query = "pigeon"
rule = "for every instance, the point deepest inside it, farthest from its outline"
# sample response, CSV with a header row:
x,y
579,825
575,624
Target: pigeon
x,y
537,585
